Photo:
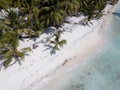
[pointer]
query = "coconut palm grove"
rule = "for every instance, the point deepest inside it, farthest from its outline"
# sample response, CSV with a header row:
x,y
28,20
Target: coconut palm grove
x,y
23,19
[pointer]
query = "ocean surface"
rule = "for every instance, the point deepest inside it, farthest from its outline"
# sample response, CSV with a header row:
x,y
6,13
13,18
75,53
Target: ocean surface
x,y
101,71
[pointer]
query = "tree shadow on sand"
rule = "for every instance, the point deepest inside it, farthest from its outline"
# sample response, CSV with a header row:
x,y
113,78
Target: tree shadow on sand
x,y
51,48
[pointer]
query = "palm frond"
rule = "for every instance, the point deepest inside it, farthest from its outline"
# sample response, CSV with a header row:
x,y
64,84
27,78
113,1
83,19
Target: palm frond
x,y
62,42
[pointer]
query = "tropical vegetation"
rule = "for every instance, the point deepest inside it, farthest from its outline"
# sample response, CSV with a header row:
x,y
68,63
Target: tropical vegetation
x,y
28,18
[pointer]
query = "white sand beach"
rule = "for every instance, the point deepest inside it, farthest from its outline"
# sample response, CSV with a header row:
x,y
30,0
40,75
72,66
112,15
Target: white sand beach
x,y
39,66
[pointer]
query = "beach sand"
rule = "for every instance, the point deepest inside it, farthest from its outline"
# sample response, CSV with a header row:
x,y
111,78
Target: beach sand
x,y
89,44
40,67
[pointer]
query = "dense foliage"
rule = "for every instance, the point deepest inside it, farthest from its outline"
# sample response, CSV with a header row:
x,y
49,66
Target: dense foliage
x,y
28,18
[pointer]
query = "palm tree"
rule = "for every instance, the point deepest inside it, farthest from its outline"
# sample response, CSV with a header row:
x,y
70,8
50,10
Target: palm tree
x,y
9,39
37,26
3,4
8,48
70,6
50,13
57,43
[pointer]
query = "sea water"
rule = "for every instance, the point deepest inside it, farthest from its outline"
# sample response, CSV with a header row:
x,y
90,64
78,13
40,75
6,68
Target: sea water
x,y
101,71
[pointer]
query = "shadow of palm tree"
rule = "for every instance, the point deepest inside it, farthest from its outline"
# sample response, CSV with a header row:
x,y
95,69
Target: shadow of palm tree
x,y
49,30
51,48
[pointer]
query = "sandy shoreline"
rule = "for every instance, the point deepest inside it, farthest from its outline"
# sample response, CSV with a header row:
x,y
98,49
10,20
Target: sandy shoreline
x,y
40,66
89,45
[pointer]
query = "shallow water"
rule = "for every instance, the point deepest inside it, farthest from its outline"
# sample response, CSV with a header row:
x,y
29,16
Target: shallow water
x,y
102,70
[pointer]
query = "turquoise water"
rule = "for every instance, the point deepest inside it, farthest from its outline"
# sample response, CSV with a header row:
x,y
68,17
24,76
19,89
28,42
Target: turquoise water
x,y
102,70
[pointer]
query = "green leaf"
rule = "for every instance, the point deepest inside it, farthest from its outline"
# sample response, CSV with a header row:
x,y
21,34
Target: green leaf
x,y
56,47
52,42
26,49
62,42
7,62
